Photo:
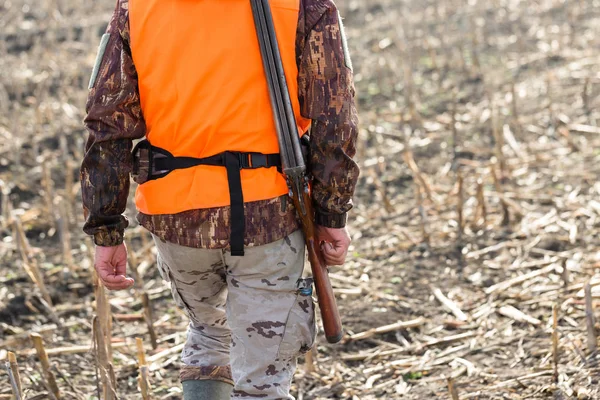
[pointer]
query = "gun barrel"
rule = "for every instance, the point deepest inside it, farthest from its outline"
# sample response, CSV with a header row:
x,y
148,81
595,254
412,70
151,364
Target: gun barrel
x,y
283,112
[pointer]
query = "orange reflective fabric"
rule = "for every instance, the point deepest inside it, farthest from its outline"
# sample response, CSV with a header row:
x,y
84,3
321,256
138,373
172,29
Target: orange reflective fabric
x,y
203,92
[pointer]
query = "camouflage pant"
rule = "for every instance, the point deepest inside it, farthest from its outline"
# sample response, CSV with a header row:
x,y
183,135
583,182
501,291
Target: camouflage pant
x,y
250,317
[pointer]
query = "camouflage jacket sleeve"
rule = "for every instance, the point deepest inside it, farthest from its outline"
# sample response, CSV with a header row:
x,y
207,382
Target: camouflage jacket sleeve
x,y
326,93
113,119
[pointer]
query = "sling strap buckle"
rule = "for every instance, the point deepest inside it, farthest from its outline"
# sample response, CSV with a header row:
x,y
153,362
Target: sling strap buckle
x,y
255,160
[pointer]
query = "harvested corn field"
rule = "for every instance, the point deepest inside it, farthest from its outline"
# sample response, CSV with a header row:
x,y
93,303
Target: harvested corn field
x,y
476,249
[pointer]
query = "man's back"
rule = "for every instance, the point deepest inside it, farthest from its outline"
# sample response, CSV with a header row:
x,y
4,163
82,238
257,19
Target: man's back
x,y
203,92
114,118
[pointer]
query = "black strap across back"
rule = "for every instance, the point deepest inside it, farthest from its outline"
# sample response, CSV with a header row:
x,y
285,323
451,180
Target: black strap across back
x,y
161,163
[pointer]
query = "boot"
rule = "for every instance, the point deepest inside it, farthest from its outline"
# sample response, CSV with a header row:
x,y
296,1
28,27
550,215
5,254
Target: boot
x,y
206,390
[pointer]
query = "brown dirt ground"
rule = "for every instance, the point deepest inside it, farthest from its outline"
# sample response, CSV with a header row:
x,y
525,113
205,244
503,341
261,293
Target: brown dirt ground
x,y
463,87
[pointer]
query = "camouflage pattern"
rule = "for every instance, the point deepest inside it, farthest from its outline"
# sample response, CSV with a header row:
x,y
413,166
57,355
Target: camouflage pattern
x,y
326,91
114,119
141,166
245,312
266,222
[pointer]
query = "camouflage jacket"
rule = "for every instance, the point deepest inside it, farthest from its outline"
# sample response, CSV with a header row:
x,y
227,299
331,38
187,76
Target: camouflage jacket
x,y
114,119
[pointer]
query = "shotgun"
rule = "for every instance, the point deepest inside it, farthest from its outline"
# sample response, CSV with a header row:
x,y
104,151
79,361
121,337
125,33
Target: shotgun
x,y
293,165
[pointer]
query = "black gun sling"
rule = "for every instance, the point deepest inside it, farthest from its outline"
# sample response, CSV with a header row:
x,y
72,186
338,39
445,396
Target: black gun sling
x,y
161,163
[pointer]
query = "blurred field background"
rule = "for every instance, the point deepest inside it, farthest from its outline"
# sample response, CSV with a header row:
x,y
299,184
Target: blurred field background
x,y
476,253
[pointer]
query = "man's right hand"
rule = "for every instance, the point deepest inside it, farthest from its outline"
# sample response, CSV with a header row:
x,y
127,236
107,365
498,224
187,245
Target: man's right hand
x,y
111,265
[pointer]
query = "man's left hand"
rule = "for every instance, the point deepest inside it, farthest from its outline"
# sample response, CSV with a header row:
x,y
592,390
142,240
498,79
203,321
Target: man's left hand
x,y
334,244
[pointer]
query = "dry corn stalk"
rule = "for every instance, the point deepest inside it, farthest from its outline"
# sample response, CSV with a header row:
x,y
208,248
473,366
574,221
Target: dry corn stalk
x,y
498,145
148,316
422,212
13,377
565,274
382,190
386,199
498,185
144,382
409,91
449,304
515,109
555,341
585,97
386,328
133,264
128,317
69,193
89,246
452,389
65,235
48,192
143,379
480,211
474,45
454,131
5,206
29,263
104,313
422,181
14,367
13,384
49,379
309,361
590,320
113,380
109,389
460,205
141,354
22,242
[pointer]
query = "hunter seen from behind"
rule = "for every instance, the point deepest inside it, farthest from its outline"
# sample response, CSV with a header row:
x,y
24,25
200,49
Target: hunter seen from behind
x,y
474,268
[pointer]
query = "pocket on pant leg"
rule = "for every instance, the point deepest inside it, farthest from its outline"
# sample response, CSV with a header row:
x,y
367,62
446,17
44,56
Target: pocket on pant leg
x,y
163,270
300,328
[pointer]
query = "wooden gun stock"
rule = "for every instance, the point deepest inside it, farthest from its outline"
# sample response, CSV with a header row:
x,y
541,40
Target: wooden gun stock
x,y
332,323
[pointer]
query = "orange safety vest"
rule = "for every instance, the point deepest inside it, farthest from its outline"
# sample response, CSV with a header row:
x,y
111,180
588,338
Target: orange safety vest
x,y
203,92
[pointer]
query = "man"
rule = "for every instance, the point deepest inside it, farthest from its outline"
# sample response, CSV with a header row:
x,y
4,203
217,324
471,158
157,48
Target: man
x,y
188,76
